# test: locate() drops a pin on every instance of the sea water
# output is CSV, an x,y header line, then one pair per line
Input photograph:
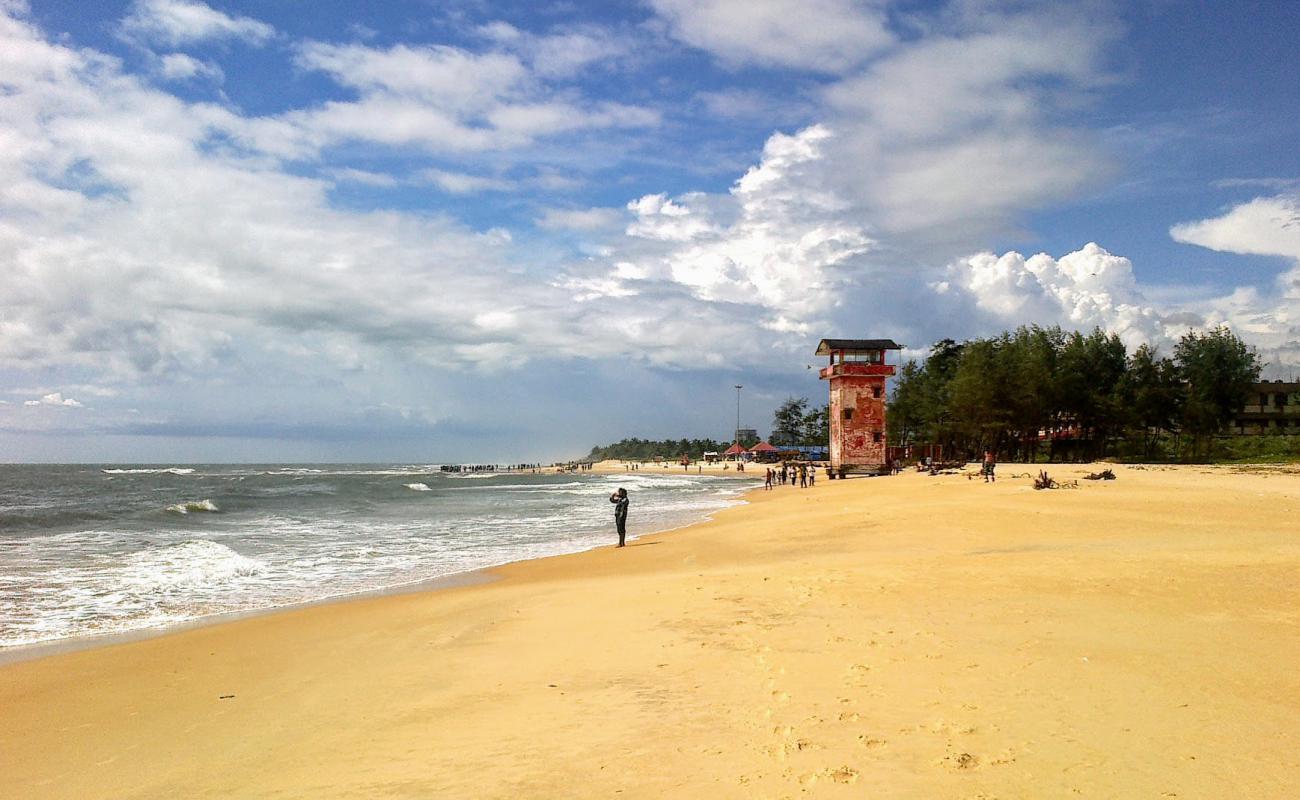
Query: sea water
x,y
91,550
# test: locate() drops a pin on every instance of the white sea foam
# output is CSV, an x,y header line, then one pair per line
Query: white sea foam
x,y
172,470
193,564
278,549
193,506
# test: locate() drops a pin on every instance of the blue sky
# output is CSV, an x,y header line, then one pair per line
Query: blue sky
x,y
423,231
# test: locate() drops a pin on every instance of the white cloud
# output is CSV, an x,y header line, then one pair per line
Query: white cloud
x,y
180,22
180,67
769,247
950,137
581,219
1268,226
565,52
364,177
442,98
1081,290
464,183
820,35
54,399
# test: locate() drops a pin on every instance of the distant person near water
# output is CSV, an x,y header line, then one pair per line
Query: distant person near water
x,y
620,501
990,464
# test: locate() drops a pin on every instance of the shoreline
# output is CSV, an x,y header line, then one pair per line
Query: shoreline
x,y
921,636
469,577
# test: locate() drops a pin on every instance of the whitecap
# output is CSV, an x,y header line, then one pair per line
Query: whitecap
x,y
169,470
419,487
193,506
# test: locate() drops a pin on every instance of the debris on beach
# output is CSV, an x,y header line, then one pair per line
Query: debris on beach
x,y
1104,475
1045,481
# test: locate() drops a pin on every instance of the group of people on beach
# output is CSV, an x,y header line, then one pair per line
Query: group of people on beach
x,y
805,474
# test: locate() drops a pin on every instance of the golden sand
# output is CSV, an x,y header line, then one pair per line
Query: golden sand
x,y
903,637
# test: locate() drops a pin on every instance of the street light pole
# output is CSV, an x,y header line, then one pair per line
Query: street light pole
x,y
738,388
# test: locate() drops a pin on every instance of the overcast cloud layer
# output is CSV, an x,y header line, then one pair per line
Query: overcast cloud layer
x,y
506,242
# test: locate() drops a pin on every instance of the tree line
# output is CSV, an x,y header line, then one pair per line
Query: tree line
x,y
1068,395
646,449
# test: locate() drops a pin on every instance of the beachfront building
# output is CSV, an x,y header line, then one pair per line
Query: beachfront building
x,y
857,373
1271,407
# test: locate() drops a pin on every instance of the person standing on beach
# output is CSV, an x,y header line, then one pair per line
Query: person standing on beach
x,y
990,464
803,477
812,476
767,483
620,501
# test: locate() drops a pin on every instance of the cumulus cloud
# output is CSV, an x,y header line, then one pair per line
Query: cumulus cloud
x,y
180,22
769,246
1081,290
54,399
819,35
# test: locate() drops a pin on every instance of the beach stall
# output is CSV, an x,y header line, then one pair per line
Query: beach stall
x,y
764,452
735,452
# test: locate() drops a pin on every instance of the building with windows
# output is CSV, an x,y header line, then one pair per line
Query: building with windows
x,y
1271,407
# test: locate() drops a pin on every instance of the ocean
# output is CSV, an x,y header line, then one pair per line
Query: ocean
x,y
93,550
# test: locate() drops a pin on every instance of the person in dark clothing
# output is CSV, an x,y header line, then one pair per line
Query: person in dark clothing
x,y
620,501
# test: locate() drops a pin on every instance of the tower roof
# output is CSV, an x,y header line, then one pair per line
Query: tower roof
x,y
827,345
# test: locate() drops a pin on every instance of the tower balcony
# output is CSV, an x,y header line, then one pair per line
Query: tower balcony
x,y
856,370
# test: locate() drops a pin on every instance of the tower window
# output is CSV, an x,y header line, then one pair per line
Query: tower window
x,y
848,413
876,436
875,391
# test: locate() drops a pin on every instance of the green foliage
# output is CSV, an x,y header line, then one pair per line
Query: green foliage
x,y
787,422
648,449
793,424
1218,370
1270,447
1002,392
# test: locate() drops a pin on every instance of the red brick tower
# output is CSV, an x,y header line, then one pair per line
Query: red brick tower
x,y
857,374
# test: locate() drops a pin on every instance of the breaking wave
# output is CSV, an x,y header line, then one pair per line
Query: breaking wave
x,y
419,487
193,506
159,471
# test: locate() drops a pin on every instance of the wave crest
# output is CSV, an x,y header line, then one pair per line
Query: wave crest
x,y
193,506
151,471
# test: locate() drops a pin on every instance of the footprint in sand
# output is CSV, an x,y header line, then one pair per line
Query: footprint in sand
x,y
857,675
840,775
872,742
960,761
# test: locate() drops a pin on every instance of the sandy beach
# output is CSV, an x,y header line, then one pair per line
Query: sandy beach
x,y
900,637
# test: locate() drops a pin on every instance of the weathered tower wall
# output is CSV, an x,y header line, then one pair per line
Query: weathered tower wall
x,y
857,411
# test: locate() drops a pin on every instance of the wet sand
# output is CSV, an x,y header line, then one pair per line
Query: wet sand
x,y
909,637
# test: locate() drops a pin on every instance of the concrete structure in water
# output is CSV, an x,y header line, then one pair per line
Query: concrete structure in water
x,y
857,373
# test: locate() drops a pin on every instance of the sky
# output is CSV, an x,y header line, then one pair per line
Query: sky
x,y
426,231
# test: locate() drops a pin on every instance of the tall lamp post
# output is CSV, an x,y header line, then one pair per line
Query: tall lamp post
x,y
738,388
